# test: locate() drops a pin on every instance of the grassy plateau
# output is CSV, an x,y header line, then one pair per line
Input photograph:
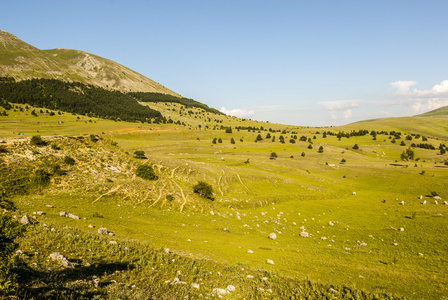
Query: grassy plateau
x,y
351,222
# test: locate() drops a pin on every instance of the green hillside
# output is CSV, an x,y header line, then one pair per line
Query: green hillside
x,y
439,112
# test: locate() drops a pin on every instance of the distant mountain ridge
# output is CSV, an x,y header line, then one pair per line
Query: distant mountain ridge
x,y
23,61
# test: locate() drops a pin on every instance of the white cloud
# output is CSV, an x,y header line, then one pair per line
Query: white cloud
x,y
240,113
422,100
340,104
348,114
403,87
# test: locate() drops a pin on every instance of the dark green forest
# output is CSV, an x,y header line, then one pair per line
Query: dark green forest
x,y
158,97
78,98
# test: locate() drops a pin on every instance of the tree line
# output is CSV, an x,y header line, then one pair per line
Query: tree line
x,y
77,98
159,97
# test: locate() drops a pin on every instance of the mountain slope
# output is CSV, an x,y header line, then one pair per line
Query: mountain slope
x,y
439,112
23,61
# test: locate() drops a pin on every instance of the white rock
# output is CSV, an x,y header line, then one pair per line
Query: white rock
x,y
250,276
73,216
401,229
249,251
195,286
362,244
331,223
218,291
113,243
62,214
25,220
272,236
437,198
269,262
304,234
230,288
103,231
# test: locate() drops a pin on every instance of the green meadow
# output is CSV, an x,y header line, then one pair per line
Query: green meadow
x,y
368,233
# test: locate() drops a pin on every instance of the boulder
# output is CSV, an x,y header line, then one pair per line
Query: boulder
x,y
272,236
103,231
62,259
25,220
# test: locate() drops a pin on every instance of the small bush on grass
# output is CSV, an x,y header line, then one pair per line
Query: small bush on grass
x,y
204,190
139,154
146,172
68,160
41,177
36,140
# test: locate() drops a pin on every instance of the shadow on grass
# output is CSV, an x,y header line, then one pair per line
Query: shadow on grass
x,y
78,283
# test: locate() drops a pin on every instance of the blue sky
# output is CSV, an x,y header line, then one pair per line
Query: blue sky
x,y
311,63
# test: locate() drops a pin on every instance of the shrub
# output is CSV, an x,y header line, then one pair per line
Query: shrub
x,y
10,229
36,140
3,149
273,155
204,190
232,141
355,147
68,160
139,154
93,138
321,149
169,197
303,154
146,172
407,155
41,177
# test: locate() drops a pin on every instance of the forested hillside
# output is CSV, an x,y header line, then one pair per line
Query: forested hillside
x,y
158,97
77,98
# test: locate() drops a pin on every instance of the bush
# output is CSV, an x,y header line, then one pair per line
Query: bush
x,y
273,155
10,229
139,154
41,177
36,140
355,147
146,172
68,160
204,190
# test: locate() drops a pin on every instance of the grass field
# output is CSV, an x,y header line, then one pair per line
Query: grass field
x,y
360,235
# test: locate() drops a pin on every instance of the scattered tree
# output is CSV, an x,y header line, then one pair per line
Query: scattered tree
x,y
273,155
204,190
139,154
146,172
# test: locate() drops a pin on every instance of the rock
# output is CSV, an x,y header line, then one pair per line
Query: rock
x,y
363,244
269,262
91,226
63,214
73,216
96,282
40,213
401,203
166,250
62,259
230,288
103,231
250,251
437,198
113,243
18,252
438,215
420,254
272,236
111,233
49,206
195,286
226,229
401,229
332,290
331,223
445,203
250,276
25,220
395,244
219,292
304,234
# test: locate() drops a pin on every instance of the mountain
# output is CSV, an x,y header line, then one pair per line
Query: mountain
x,y
439,112
23,61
